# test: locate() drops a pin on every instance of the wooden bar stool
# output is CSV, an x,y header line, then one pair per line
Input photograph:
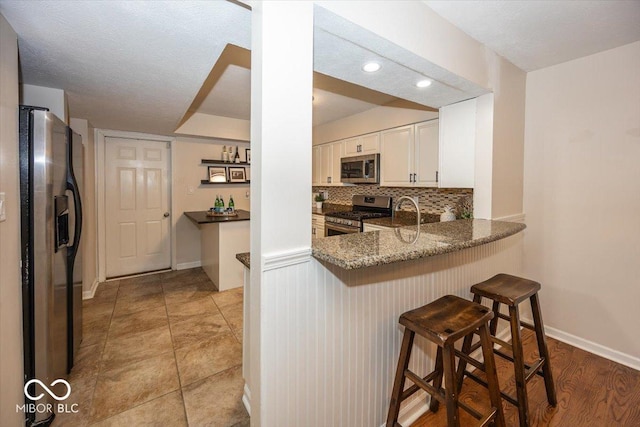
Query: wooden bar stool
x,y
445,321
511,291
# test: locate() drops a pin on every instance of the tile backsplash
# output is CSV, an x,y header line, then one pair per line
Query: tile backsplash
x,y
431,200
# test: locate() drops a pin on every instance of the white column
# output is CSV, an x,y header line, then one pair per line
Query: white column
x,y
282,87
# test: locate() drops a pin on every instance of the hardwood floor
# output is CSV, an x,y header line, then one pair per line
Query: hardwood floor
x,y
592,391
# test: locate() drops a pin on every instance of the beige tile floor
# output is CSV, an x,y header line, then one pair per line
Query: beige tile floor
x,y
159,350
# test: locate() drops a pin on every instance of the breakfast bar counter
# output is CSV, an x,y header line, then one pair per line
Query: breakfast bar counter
x,y
221,237
352,251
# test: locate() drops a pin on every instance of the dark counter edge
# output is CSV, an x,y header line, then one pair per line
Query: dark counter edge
x,y
244,258
200,217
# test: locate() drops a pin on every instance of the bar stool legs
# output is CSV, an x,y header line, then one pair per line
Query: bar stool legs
x,y
512,290
444,322
543,350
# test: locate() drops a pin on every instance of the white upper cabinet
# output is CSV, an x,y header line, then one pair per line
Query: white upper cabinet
x,y
409,156
427,147
326,163
457,145
365,144
316,167
397,157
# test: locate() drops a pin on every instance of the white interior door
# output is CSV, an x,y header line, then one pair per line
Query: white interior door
x,y
137,221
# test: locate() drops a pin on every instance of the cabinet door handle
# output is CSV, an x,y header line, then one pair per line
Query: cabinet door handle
x,y
328,180
436,176
410,177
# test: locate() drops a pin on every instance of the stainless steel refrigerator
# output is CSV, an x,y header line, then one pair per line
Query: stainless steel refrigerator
x,y
51,171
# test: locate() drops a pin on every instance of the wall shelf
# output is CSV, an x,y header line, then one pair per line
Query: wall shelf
x,y
226,166
220,163
206,182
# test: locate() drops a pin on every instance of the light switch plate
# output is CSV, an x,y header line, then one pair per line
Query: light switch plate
x,y
3,212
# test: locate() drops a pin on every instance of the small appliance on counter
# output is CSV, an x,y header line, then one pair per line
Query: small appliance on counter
x,y
364,207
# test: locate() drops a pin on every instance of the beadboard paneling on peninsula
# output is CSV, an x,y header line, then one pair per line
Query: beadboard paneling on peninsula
x,y
432,200
335,350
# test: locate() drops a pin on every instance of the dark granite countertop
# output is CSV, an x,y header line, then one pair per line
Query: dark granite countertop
x,y
352,251
200,217
330,208
244,258
403,219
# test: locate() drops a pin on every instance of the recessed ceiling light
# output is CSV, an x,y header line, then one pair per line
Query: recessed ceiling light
x,y
371,67
424,83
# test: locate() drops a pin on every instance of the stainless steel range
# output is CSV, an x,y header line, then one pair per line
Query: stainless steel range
x,y
364,207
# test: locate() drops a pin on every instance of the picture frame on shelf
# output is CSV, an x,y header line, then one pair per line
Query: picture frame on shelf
x,y
247,155
217,174
237,174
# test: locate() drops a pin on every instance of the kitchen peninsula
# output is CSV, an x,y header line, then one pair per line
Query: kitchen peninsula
x,y
354,288
221,237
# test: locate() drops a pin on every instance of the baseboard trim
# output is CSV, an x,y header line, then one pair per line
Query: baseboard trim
x,y
414,410
285,259
188,265
92,291
512,218
246,398
595,348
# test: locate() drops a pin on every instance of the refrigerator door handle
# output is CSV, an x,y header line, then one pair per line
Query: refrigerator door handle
x,y
72,185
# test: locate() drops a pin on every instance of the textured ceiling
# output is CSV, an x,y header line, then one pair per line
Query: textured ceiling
x,y
538,34
143,65
129,65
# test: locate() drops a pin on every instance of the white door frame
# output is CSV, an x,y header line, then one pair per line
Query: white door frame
x,y
100,139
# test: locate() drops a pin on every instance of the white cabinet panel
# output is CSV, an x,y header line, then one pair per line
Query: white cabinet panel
x,y
426,149
457,145
409,156
326,163
397,157
365,144
317,226
373,227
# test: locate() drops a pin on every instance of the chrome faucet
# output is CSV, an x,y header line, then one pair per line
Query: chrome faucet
x,y
415,205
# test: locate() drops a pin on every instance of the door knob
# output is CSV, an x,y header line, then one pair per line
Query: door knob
x,y
166,214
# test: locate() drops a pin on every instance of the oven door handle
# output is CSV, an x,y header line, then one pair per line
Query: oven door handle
x,y
339,227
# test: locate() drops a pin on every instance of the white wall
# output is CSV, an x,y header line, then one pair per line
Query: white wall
x,y
582,198
11,365
53,99
187,173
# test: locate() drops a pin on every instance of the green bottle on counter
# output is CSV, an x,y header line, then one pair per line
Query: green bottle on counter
x,y
216,205
232,205
221,204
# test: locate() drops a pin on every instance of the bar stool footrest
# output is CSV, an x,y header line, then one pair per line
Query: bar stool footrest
x,y
534,369
421,383
475,414
470,360
483,383
523,324
415,387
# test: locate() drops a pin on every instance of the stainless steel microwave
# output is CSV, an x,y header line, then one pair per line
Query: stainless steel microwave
x,y
360,169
